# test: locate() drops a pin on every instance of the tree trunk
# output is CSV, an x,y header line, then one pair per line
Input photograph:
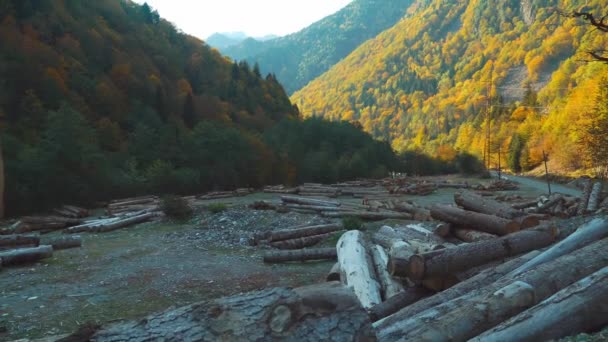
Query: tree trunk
x,y
452,260
107,225
25,255
408,296
356,270
443,229
582,205
63,242
584,235
485,223
594,197
301,255
467,316
368,215
300,243
390,287
473,202
580,307
476,282
334,273
303,314
19,240
469,235
305,231
309,201
314,207
524,205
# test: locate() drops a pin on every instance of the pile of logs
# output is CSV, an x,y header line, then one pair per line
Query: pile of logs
x,y
419,189
19,249
113,223
498,185
42,224
297,238
279,189
71,211
226,194
318,190
129,205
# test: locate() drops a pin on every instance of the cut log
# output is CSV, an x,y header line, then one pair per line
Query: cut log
x,y
314,207
334,273
594,197
368,215
550,204
302,314
63,242
485,223
582,205
19,240
473,202
408,296
524,205
584,235
112,224
309,201
580,307
471,314
443,229
25,255
287,234
301,255
469,235
356,270
300,243
476,282
452,260
390,287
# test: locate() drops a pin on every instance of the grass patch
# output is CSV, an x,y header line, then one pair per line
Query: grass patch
x,y
352,223
217,207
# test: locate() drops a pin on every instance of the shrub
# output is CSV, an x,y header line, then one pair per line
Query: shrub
x,y
352,223
217,207
176,207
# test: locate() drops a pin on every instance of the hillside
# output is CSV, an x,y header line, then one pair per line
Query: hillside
x,y
222,40
298,58
429,82
104,98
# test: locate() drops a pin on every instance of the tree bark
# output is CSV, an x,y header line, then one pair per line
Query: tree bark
x,y
448,261
408,296
485,223
63,242
19,240
25,255
301,255
302,314
287,234
368,215
356,270
300,243
584,235
469,235
582,205
473,202
476,282
594,197
467,316
390,287
309,201
580,307
524,205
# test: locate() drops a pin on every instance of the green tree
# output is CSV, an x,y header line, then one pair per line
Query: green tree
x,y
594,137
515,152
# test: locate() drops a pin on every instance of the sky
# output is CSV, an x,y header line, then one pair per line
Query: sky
x,y
256,18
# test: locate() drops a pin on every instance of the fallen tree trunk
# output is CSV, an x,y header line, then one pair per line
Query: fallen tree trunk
x,y
469,235
582,205
584,235
300,243
123,223
580,307
287,234
368,215
63,242
448,261
484,278
309,201
408,296
594,197
356,270
301,255
547,206
473,202
25,255
390,287
314,207
19,240
467,316
486,223
525,205
302,314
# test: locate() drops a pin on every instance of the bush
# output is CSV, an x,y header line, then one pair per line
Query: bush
x,y
217,207
352,223
468,164
176,207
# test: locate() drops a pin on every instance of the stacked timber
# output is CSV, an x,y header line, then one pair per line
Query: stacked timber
x,y
114,223
498,185
417,188
217,195
129,205
279,189
71,211
318,190
296,242
42,224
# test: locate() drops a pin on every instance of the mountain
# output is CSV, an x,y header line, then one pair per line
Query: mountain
x,y
101,99
506,77
298,58
227,39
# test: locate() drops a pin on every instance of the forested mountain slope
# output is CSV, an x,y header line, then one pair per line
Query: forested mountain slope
x,y
429,82
103,98
298,58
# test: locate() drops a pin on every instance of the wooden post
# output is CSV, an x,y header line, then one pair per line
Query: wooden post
x,y
499,167
547,172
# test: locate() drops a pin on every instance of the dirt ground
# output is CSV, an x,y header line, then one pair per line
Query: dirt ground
x,y
139,270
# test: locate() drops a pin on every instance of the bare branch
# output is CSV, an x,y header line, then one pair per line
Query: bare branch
x,y
600,25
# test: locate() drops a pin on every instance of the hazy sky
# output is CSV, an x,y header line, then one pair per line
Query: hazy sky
x,y
201,18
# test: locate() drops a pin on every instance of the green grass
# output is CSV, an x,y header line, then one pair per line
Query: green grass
x,y
217,207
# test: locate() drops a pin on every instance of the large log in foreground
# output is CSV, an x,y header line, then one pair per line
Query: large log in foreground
x,y
305,231
25,255
485,223
472,201
356,268
304,314
580,307
63,242
300,243
469,315
301,255
448,261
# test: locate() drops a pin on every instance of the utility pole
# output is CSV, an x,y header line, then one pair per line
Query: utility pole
x,y
547,172
488,140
